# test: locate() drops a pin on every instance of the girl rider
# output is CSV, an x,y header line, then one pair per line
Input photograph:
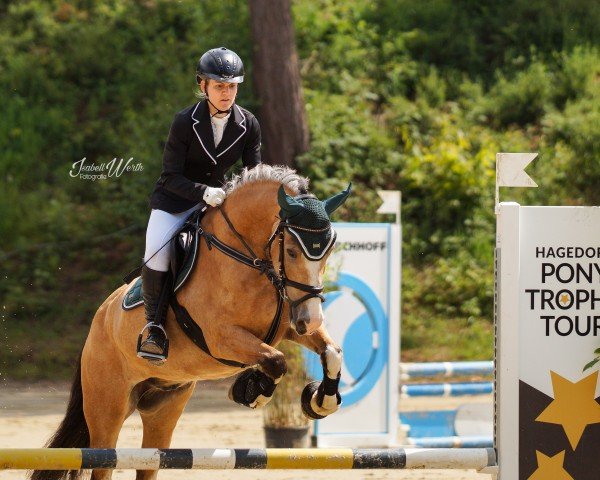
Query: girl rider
x,y
205,140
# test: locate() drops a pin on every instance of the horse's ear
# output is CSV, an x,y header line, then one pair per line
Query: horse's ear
x,y
332,204
289,206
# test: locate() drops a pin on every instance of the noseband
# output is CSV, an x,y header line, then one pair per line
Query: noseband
x,y
312,290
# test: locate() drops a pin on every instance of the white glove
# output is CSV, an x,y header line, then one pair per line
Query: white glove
x,y
214,196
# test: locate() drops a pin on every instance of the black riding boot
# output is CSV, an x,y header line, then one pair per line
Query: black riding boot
x,y
155,286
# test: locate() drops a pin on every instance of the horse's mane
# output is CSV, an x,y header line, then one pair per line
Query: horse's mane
x,y
268,173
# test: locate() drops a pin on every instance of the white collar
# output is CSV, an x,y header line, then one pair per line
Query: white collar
x,y
220,120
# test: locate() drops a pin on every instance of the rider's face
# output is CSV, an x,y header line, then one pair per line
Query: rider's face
x,y
221,94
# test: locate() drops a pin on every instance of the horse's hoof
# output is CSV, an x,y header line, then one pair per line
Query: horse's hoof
x,y
252,388
306,400
310,402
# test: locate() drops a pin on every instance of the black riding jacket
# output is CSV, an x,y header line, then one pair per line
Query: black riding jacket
x,y
191,162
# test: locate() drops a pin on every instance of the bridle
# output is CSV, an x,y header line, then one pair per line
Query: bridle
x,y
279,234
279,279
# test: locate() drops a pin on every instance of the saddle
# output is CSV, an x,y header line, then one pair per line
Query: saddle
x,y
184,249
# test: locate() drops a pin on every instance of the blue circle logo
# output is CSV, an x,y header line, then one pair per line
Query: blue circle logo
x,y
365,337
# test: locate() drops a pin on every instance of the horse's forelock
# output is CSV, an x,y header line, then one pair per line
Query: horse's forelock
x,y
268,173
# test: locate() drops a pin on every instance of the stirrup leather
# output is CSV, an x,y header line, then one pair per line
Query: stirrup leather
x,y
160,357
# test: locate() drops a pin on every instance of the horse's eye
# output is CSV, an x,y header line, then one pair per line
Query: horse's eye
x,y
291,253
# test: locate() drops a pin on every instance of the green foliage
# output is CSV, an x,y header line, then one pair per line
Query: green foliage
x,y
575,129
521,100
456,285
483,36
350,145
594,361
444,184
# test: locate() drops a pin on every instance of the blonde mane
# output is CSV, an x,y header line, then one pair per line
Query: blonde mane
x,y
268,173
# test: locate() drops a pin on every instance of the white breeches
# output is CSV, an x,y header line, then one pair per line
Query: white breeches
x,y
161,227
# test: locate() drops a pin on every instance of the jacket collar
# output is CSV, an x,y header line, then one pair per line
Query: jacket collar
x,y
234,131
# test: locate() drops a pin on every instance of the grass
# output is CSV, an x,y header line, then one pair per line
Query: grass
x,y
39,351
430,338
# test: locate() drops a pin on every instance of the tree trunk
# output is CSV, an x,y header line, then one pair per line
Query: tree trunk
x,y
276,76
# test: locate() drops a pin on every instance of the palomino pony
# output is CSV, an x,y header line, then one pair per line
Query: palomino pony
x,y
233,304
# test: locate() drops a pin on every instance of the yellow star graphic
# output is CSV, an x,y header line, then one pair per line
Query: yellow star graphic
x,y
550,468
573,406
564,298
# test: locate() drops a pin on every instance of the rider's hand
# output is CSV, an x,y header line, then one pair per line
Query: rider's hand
x,y
214,196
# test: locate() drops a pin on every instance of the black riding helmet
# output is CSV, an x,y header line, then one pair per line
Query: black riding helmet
x,y
222,65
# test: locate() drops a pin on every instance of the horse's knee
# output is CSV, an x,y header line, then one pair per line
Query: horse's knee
x,y
273,364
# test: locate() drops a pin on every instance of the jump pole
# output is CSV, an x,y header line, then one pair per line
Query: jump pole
x,y
447,369
225,458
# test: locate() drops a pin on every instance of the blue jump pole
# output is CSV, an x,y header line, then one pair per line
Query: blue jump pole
x,y
448,369
452,442
446,389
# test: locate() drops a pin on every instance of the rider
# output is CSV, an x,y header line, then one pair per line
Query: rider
x,y
205,140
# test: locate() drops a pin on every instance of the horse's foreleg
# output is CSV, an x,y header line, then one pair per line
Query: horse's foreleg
x,y
160,410
254,387
321,399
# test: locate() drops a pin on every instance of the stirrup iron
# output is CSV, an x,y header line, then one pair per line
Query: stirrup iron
x,y
155,358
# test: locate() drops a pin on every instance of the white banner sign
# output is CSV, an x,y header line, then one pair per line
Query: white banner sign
x,y
549,327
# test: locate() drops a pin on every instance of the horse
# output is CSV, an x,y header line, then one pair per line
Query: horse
x,y
269,210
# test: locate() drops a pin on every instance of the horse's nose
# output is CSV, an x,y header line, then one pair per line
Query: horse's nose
x,y
308,317
301,327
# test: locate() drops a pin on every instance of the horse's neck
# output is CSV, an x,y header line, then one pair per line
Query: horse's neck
x,y
253,212
223,288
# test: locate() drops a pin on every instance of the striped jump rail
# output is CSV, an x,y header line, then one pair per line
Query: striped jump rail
x,y
225,458
446,389
410,371
452,442
447,369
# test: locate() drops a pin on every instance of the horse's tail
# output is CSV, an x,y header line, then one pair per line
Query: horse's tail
x,y
72,433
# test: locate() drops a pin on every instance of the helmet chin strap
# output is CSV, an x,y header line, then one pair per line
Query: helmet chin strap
x,y
218,111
